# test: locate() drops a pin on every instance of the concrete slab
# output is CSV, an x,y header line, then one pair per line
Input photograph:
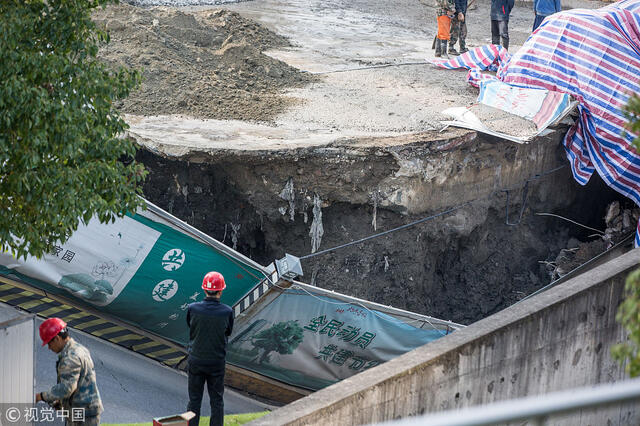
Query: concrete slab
x,y
375,77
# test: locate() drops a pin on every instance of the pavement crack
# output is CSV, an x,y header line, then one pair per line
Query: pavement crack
x,y
115,378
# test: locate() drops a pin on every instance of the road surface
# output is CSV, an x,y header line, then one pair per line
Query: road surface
x,y
133,387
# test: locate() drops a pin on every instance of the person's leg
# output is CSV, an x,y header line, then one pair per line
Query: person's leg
x,y
504,34
463,36
196,389
92,421
444,27
215,387
88,421
455,31
537,21
495,32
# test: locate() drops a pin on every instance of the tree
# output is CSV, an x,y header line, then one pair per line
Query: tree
x,y
63,159
629,311
283,337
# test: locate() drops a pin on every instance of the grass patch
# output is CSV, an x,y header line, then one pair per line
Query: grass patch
x,y
240,419
229,420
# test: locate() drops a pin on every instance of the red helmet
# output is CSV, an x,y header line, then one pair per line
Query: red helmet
x,y
50,329
213,281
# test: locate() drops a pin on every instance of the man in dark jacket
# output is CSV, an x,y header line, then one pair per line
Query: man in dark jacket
x,y
500,10
210,324
459,28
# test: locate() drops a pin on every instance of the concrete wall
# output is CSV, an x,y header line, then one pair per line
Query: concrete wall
x,y
557,340
17,349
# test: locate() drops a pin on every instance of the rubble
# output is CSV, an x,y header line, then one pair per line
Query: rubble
x,y
620,224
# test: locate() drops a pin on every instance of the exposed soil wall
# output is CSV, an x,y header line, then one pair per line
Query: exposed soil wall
x,y
462,266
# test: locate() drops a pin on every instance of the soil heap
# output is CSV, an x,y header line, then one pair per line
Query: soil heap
x,y
205,64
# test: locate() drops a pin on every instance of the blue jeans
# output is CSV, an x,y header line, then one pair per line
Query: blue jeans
x,y
214,377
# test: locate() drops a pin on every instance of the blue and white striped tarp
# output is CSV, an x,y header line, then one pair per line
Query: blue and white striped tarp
x,y
593,55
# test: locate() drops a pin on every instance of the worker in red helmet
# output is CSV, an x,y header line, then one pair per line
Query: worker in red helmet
x,y
210,324
76,391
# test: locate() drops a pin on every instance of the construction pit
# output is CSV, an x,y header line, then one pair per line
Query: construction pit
x,y
299,127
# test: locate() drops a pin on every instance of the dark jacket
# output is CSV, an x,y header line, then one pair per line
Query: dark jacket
x,y
461,6
500,9
210,324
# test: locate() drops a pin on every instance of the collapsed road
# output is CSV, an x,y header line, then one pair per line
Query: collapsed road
x,y
299,127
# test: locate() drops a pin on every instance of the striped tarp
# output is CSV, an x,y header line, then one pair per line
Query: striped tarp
x,y
593,55
483,58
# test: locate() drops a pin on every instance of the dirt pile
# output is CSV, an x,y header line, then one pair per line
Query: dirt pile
x,y
205,64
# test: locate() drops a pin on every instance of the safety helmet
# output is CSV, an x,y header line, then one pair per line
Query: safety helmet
x,y
50,329
213,281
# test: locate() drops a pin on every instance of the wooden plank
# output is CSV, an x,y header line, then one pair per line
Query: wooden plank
x,y
261,386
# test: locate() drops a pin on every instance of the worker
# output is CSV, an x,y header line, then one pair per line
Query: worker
x,y
459,28
446,9
500,11
76,391
210,324
544,8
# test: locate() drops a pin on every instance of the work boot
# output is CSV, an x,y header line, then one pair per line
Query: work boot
x,y
443,46
452,50
463,47
438,48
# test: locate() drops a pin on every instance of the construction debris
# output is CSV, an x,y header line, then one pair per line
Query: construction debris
x,y
620,222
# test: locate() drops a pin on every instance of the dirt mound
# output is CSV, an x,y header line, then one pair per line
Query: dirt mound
x,y
205,64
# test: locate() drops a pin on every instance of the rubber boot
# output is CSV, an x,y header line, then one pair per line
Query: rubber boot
x,y
452,50
443,46
463,47
438,48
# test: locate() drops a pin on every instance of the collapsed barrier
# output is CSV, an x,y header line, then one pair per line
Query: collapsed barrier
x,y
143,270
311,338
